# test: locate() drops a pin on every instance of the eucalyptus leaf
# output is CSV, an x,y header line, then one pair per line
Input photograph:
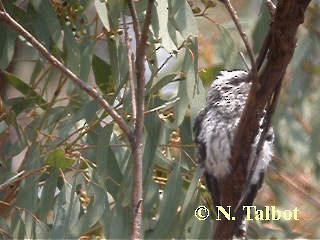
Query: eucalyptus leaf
x,y
7,45
58,159
103,14
94,212
30,94
161,83
103,75
169,205
47,194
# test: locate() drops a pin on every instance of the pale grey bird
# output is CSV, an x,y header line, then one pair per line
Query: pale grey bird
x,y
215,129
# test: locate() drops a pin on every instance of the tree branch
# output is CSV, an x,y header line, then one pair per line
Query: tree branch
x,y
288,16
131,69
137,146
135,21
6,18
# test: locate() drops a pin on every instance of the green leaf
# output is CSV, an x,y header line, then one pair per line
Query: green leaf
x,y
10,147
115,8
20,104
190,202
86,51
7,45
27,197
186,129
48,17
162,82
150,200
47,194
226,51
25,89
58,159
17,225
37,70
41,230
190,67
94,212
102,11
120,222
72,52
66,211
109,172
261,28
198,101
164,32
183,18
196,229
208,74
181,107
153,126
103,75
169,205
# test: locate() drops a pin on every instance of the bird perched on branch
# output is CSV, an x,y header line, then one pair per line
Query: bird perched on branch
x,y
215,128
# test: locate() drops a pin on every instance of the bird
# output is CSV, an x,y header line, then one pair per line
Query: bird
x,y
214,132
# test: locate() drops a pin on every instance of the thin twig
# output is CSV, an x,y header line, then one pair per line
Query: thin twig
x,y
5,17
20,176
131,69
244,37
164,63
145,31
2,6
135,21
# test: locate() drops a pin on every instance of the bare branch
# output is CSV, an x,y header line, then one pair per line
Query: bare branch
x,y
140,69
137,146
131,69
244,37
135,21
5,17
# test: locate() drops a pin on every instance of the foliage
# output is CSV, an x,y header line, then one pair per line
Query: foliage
x,y
66,168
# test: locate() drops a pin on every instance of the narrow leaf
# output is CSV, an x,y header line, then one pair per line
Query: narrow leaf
x,y
103,75
102,13
25,89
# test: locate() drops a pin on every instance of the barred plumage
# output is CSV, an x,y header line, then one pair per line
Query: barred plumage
x,y
215,128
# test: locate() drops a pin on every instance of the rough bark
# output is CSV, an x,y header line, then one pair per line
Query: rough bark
x,y
288,16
